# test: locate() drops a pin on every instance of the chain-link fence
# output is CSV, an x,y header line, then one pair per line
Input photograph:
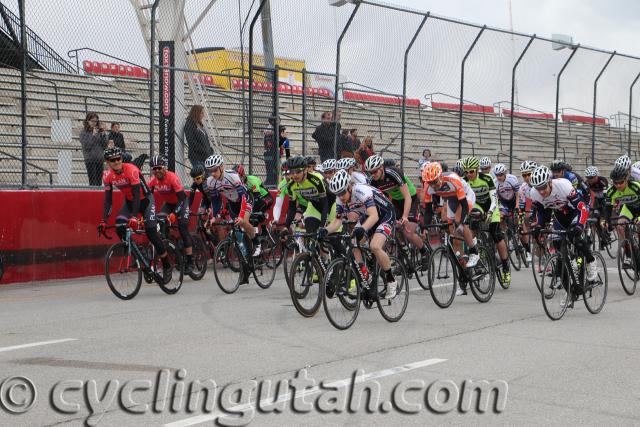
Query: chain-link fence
x,y
281,78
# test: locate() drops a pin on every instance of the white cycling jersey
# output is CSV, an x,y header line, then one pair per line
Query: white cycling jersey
x,y
364,196
508,188
230,186
359,178
635,171
561,193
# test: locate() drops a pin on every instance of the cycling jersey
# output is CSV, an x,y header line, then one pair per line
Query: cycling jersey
x,y
363,197
359,178
635,171
166,188
626,202
578,183
599,187
233,189
128,176
254,185
312,190
508,189
524,198
485,190
452,189
564,200
391,182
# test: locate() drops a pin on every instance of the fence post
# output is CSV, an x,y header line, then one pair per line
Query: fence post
x,y
631,109
23,91
555,134
513,94
593,121
335,94
304,111
253,23
152,63
404,89
462,88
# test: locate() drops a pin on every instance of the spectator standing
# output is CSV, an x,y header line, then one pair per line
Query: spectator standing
x,y
271,150
364,151
285,148
426,157
355,140
93,141
196,136
115,138
324,136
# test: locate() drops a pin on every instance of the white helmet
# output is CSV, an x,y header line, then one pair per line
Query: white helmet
x,y
485,162
339,182
591,172
528,166
499,169
540,176
318,168
623,162
374,162
329,165
213,161
346,163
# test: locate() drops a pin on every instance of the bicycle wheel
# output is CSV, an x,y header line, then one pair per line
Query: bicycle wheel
x,y
483,282
539,256
554,286
595,293
338,289
176,260
416,259
291,250
393,309
227,266
306,284
122,271
627,267
611,239
442,278
512,250
200,258
265,264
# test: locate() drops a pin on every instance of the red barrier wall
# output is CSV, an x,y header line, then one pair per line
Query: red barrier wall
x,y
51,234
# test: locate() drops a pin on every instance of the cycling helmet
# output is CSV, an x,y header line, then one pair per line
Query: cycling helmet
x,y
540,176
623,162
473,163
528,166
213,161
329,165
374,162
445,168
111,153
557,165
239,169
339,182
311,161
591,172
499,169
297,162
459,163
346,163
618,173
196,171
458,170
157,161
284,165
432,172
485,162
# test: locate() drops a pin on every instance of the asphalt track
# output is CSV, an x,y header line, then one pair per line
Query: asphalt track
x,y
75,335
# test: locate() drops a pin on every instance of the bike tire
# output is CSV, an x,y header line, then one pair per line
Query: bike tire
x,y
442,269
538,262
482,291
393,309
228,267
513,255
422,277
118,271
339,314
628,276
265,264
595,295
200,258
177,273
550,288
303,268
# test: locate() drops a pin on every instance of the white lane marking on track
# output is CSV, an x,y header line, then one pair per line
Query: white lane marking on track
x,y
35,344
311,391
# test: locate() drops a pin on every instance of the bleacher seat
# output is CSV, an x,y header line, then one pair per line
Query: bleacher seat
x,y
522,114
583,119
470,108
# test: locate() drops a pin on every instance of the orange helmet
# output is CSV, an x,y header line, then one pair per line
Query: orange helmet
x,y
432,172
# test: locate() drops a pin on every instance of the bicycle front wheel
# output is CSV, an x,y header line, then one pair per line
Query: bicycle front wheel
x,y
539,256
554,287
392,309
122,271
227,266
200,258
512,250
627,267
595,293
265,264
341,296
442,278
306,284
172,282
483,279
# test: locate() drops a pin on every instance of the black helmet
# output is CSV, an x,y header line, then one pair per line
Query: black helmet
x,y
297,162
618,173
111,153
197,170
557,166
310,160
157,161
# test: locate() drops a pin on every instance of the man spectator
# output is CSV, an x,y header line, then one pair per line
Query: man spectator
x,y
285,149
93,141
324,136
196,136
271,152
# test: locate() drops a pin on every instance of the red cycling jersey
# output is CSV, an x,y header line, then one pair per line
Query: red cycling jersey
x,y
129,176
167,187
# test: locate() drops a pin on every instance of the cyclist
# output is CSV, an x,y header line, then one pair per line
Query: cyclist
x,y
394,183
569,211
457,169
485,167
228,184
635,171
507,187
349,164
523,203
561,169
137,198
262,198
377,219
282,191
198,174
459,198
624,197
311,164
597,188
329,167
170,192
484,188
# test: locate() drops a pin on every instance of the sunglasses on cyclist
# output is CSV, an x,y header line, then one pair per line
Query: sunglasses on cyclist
x,y
434,182
620,182
470,171
542,187
499,174
296,171
199,178
115,159
524,175
157,168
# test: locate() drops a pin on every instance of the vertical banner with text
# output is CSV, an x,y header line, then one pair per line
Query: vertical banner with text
x,y
167,110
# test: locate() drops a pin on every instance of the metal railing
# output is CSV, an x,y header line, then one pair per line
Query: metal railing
x,y
4,153
73,54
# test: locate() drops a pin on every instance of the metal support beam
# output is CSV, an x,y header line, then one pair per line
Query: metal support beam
x,y
464,60
593,121
304,111
197,22
631,111
555,135
513,94
404,88
253,24
23,90
152,63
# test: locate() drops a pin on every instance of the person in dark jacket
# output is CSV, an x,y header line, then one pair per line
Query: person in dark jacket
x,y
365,151
270,141
93,141
115,138
324,136
196,136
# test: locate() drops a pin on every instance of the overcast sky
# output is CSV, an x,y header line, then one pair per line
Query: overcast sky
x,y
373,49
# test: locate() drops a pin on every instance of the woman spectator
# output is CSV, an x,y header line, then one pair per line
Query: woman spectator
x,y
93,141
196,136
364,151
115,138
